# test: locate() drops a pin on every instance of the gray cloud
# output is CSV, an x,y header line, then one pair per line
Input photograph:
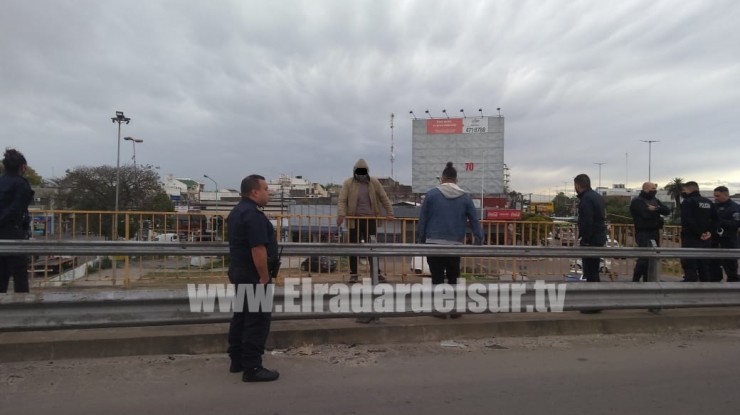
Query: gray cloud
x,y
307,87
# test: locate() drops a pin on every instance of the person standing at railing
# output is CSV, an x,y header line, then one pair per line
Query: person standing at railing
x,y
362,197
15,221
725,236
698,221
591,226
253,249
443,220
647,213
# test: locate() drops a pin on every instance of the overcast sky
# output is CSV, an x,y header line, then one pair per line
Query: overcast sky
x,y
229,88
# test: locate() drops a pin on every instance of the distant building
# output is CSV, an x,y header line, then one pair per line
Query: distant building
x,y
396,192
295,187
182,190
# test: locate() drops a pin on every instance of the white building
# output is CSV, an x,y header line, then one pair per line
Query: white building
x,y
295,187
182,189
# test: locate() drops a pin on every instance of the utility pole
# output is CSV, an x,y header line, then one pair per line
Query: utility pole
x,y
600,164
393,156
650,156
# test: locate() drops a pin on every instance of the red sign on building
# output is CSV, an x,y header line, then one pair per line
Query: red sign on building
x,y
445,126
503,214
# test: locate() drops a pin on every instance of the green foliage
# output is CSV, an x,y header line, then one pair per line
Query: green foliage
x,y
534,217
674,190
618,209
94,188
33,178
563,205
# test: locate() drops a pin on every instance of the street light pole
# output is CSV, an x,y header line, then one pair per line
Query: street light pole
x,y
134,141
214,182
650,156
600,164
120,119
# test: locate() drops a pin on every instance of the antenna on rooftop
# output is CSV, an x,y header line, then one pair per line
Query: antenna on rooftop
x,y
393,156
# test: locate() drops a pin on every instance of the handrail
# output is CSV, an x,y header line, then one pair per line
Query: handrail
x,y
33,247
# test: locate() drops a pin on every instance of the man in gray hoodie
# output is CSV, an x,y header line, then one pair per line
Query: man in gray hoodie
x,y
443,220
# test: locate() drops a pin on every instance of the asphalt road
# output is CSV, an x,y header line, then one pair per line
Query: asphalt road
x,y
684,373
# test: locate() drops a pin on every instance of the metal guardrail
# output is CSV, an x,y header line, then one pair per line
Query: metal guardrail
x,y
74,310
31,247
54,310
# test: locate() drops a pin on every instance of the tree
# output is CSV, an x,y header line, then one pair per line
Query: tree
x,y
562,205
674,190
33,178
94,188
618,209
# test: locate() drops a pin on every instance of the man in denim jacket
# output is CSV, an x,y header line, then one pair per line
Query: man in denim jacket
x,y
443,220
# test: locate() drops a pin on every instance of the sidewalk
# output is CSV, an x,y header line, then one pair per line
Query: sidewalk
x,y
211,338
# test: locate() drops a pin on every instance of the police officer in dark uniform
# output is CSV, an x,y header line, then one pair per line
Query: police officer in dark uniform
x,y
15,196
698,221
646,212
725,236
253,252
591,223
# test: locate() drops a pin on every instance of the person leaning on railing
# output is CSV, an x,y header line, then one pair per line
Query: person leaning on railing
x,y
362,197
443,219
15,196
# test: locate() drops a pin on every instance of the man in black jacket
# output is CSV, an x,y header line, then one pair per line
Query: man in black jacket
x,y
646,212
591,223
698,220
725,235
15,196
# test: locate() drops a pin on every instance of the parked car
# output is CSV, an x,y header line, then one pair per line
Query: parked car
x,y
319,264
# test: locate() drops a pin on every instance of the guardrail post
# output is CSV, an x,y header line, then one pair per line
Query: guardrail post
x,y
374,271
374,265
652,273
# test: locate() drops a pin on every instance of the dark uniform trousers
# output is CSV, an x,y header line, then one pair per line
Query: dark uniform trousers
x,y
695,269
644,239
729,264
247,335
13,265
591,265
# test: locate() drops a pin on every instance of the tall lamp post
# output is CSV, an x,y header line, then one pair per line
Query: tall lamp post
x,y
214,182
120,119
650,156
600,164
134,141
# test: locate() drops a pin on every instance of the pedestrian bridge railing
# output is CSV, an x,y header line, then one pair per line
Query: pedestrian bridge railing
x,y
81,263
111,307
307,225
